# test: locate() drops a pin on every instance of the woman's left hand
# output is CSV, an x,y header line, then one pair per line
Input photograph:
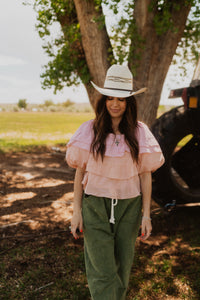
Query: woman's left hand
x,y
146,228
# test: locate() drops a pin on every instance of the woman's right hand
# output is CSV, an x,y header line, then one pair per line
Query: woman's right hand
x,y
76,223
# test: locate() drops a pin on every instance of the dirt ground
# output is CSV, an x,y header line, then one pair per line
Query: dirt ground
x,y
36,194
36,190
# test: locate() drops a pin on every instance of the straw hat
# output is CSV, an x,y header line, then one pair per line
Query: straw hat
x,y
118,83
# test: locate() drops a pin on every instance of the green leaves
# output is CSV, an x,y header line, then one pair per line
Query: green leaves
x,y
68,64
189,45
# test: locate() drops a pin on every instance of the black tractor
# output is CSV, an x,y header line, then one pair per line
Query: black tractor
x,y
178,133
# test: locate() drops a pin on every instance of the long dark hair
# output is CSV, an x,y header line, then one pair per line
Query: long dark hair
x,y
103,126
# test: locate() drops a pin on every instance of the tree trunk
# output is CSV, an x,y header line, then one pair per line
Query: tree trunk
x,y
96,44
155,55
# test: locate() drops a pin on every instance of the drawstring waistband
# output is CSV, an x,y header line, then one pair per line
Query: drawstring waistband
x,y
112,218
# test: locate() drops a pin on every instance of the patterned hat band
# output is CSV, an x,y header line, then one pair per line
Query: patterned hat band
x,y
119,79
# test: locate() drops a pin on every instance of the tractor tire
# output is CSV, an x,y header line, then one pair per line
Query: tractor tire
x,y
169,129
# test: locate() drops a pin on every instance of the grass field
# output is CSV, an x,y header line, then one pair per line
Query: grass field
x,y
27,130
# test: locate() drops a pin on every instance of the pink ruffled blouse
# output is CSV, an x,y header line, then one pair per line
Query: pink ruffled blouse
x,y
117,176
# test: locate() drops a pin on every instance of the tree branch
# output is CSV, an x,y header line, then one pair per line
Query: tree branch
x,y
96,43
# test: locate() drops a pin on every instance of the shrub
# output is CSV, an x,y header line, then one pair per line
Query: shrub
x,y
15,109
48,103
67,103
22,103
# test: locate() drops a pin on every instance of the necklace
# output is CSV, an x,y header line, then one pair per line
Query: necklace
x,y
117,140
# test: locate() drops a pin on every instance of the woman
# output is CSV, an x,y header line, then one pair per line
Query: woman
x,y
114,155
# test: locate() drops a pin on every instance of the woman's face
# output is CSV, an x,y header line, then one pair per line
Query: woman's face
x,y
116,106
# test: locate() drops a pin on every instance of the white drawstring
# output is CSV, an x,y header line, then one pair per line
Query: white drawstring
x,y
112,218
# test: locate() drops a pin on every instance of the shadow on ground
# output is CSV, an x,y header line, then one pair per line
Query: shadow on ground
x,y
35,188
41,260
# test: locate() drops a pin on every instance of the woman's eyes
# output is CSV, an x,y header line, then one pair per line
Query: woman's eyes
x,y
119,99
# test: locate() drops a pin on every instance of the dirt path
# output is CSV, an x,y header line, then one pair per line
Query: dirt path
x,y
35,190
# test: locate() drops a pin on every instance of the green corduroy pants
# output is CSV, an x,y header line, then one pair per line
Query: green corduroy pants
x,y
109,248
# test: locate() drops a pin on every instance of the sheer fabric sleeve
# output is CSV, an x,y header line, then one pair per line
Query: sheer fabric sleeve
x,y
78,148
150,153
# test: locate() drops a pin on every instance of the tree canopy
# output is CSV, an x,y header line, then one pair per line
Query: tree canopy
x,y
93,34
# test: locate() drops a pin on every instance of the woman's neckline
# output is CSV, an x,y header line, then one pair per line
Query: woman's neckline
x,y
118,134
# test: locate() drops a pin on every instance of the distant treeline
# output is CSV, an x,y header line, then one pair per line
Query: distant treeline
x,y
47,106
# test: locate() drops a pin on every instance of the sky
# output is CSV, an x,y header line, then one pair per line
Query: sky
x,y
22,58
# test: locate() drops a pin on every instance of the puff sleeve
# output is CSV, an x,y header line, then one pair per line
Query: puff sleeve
x,y
150,153
78,148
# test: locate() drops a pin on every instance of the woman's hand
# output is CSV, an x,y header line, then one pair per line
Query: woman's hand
x,y
146,183
77,220
76,223
146,228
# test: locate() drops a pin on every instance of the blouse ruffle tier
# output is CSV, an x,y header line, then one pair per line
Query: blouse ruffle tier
x,y
117,176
